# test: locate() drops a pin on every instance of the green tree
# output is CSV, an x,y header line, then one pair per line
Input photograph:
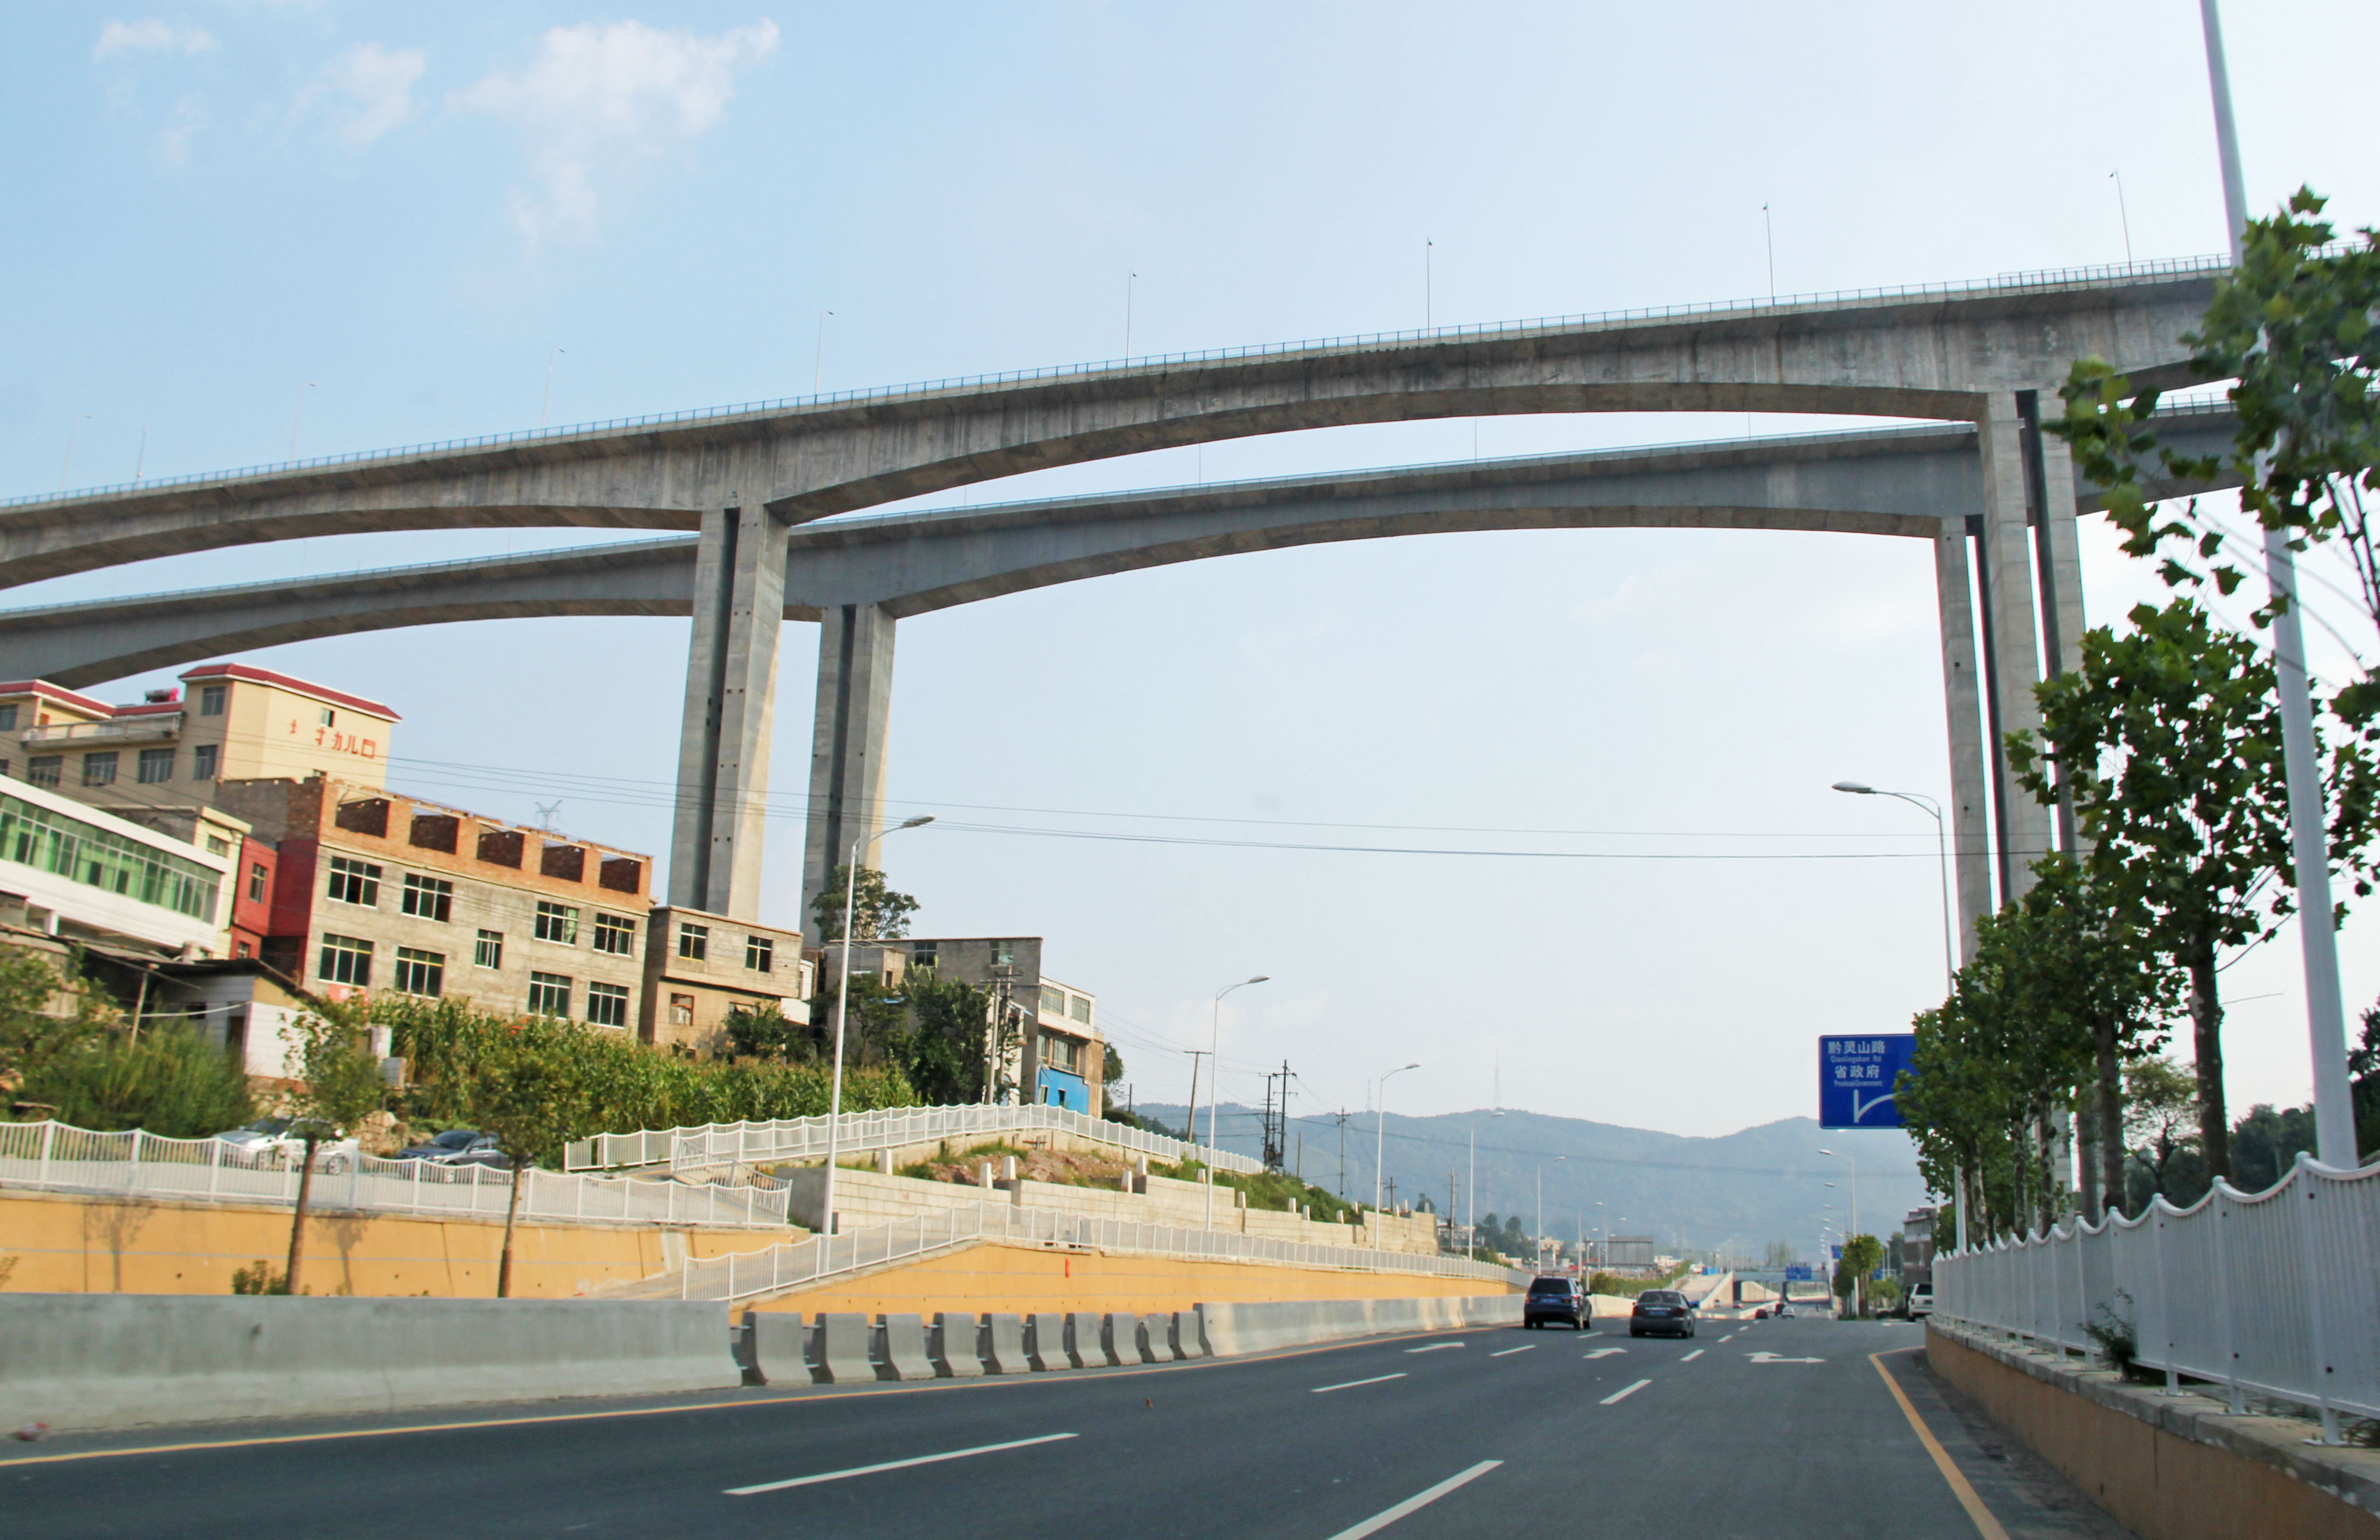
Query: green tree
x,y
948,1041
1111,1076
1862,1256
882,915
340,1087
2162,1131
2168,742
45,1013
171,1082
535,1102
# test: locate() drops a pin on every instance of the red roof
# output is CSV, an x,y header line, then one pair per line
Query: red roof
x,y
48,691
283,681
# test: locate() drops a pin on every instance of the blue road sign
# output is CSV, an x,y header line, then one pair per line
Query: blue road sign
x,y
1855,1079
1797,1272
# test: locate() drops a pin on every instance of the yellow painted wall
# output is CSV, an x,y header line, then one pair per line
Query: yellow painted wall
x,y
76,1244
1026,1278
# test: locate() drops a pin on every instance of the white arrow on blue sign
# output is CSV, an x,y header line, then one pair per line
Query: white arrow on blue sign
x,y
1856,1077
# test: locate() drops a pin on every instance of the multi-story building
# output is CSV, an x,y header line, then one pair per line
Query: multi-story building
x,y
84,873
1056,1055
376,891
701,967
236,723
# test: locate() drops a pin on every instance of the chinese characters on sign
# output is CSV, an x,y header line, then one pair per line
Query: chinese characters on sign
x,y
341,743
1856,1077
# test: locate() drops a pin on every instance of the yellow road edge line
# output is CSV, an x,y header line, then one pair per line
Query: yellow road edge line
x,y
986,1382
1986,1525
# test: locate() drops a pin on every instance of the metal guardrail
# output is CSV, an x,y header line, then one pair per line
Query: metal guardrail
x,y
59,1157
2184,267
801,1263
2274,1294
805,1138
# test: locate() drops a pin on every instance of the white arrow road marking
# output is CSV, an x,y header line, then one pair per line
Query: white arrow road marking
x,y
1772,1358
1603,1353
894,1465
1386,1517
1525,1347
1691,1356
1433,1347
1624,1395
1350,1384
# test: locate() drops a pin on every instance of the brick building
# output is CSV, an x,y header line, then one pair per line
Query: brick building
x,y
699,967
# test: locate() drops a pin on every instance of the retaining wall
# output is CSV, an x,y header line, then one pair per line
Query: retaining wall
x,y
76,1243
2165,1467
82,1361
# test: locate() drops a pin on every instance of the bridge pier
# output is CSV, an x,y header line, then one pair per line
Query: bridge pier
x,y
854,712
2012,655
1969,831
731,684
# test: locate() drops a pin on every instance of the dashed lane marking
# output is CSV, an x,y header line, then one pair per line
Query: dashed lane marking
x,y
1433,1347
1624,1395
1691,1356
894,1465
1386,1517
1350,1384
1603,1353
1730,1337
1525,1347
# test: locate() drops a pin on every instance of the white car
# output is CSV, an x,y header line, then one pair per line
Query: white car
x,y
1920,1301
269,1141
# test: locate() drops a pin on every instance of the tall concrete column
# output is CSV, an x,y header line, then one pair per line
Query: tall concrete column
x,y
854,711
2012,657
1970,829
2058,558
731,691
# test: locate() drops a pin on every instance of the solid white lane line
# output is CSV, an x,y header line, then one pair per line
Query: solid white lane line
x,y
895,1465
1691,1356
1386,1517
1624,1395
1603,1353
1525,1347
1376,1379
1433,1347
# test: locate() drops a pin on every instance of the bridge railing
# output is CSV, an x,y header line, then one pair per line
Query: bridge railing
x,y
801,1263
2045,278
60,1158
748,1143
2274,1294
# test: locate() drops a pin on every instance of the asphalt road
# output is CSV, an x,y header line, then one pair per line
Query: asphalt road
x,y
1775,1429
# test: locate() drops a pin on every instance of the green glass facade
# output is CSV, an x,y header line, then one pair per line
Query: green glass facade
x,y
50,841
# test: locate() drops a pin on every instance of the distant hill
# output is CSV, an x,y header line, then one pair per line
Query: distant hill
x,y
1761,1184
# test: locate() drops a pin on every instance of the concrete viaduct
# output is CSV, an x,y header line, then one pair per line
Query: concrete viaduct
x,y
1983,359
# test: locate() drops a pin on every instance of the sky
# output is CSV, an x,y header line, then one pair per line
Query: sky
x,y
242,230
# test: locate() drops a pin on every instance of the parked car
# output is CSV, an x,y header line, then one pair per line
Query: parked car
x,y
1662,1311
268,1141
456,1146
1920,1301
1560,1299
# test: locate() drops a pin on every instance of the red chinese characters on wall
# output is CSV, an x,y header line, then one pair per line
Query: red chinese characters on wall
x,y
353,744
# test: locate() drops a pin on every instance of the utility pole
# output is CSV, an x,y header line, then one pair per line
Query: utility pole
x,y
1451,1210
1393,1196
1195,1054
1342,1116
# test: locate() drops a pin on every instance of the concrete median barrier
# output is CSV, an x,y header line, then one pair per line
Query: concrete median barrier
x,y
777,1347
843,1349
1117,1329
100,1360
903,1355
1044,1342
1184,1336
1083,1349
956,1346
1004,1344
1235,1330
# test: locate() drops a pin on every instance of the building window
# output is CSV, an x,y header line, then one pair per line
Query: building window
x,y
202,761
156,764
1079,1007
8,718
241,949
1061,1053
694,941
557,922
329,718
1053,1001
218,846
681,1009
1003,954
549,995
615,934
259,882
922,954
43,770
211,700
85,852
607,1004
420,972
99,770
346,960
489,950
353,882
760,954
432,898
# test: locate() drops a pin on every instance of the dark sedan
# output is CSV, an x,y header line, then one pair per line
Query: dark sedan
x,y
1661,1311
1558,1299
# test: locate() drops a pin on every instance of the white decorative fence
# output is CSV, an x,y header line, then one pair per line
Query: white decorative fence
x,y
805,1138
802,1263
2274,1294
60,1157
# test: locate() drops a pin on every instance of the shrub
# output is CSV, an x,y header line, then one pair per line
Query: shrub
x,y
169,1081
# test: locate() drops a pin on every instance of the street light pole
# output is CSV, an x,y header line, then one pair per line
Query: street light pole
x,y
1942,849
1854,1166
843,1010
1380,1144
1215,1086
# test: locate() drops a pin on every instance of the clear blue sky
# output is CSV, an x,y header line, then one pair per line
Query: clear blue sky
x,y
212,205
